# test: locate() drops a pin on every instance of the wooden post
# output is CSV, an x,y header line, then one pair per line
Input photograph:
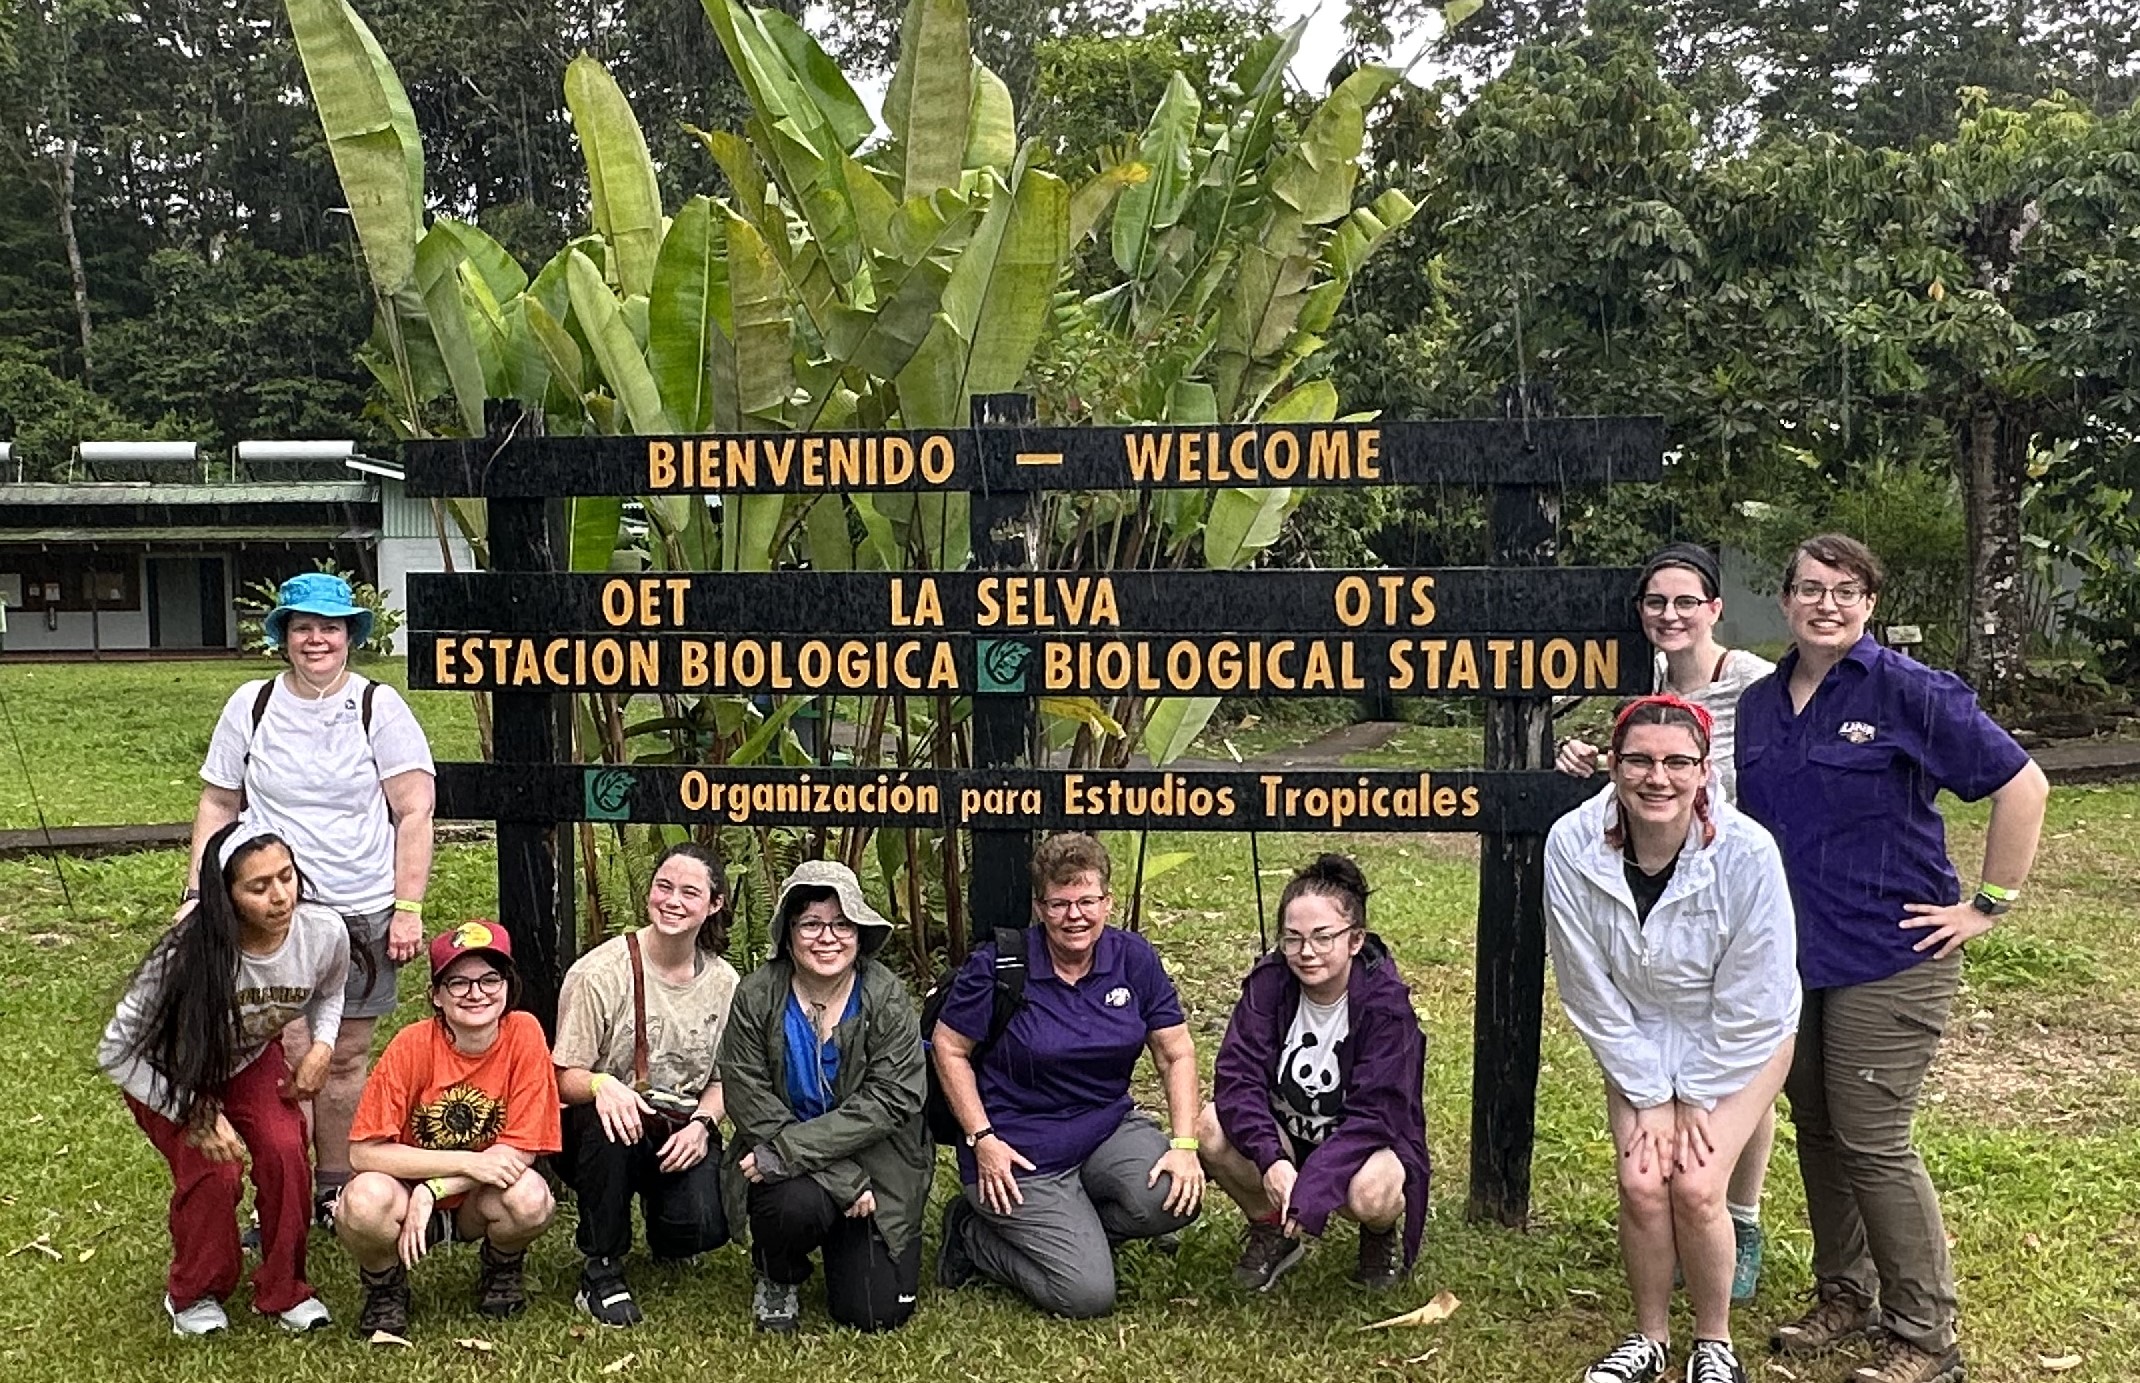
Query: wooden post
x,y
1523,531
536,912
998,891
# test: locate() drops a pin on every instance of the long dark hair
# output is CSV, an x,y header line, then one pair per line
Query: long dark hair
x,y
190,1038
713,934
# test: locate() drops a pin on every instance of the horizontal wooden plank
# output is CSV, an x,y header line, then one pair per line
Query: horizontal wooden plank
x,y
1045,799
1461,452
1062,665
1455,600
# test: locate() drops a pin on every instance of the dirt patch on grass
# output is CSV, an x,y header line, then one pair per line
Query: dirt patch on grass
x,y
2016,1072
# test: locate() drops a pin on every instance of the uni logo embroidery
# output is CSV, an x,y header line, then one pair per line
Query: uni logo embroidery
x,y
1857,732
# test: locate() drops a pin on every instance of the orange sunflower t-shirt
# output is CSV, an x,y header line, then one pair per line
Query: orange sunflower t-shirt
x,y
425,1093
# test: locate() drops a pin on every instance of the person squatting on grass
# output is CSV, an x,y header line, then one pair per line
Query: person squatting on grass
x,y
1317,1093
823,1064
1673,947
639,1022
337,766
1841,754
447,1134
194,1046
1058,1165
1679,599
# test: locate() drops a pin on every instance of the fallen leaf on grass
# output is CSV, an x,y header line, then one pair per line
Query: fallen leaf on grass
x,y
86,1254
386,1337
2059,1363
619,1364
1440,1309
478,1346
42,1244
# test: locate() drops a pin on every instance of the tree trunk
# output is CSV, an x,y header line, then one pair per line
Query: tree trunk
x,y
74,255
1993,463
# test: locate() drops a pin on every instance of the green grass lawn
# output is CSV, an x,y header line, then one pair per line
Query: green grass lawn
x,y
2032,1129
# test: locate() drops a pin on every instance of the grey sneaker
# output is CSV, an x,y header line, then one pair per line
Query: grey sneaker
x,y
1266,1255
204,1317
308,1315
776,1306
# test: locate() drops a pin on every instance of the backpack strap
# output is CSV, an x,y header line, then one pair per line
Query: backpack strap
x,y
260,705
371,689
1012,970
639,1043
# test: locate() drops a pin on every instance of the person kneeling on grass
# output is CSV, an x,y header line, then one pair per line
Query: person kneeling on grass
x,y
638,1026
447,1133
1676,953
823,1067
195,1046
1317,1106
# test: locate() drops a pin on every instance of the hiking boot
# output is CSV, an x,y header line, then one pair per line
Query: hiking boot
x,y
1636,1359
954,1264
308,1315
1746,1260
1714,1361
604,1295
775,1306
386,1302
204,1317
1901,1362
1835,1319
1266,1254
501,1285
1381,1264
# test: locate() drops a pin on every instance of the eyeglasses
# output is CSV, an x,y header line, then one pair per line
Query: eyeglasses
x,y
1678,604
490,982
1315,943
1639,765
1810,593
1063,907
814,929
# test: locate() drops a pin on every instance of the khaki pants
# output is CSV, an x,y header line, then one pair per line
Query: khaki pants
x,y
1877,1233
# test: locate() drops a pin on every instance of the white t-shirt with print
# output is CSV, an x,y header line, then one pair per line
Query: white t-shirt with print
x,y
1307,1099
315,780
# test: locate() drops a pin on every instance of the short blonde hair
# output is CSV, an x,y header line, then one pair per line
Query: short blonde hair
x,y
1064,856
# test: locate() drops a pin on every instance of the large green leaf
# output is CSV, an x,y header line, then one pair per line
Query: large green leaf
x,y
1318,174
620,172
601,317
765,357
750,525
371,135
1174,723
820,77
502,274
690,296
438,281
825,527
929,102
991,123
1168,152
1004,285
593,537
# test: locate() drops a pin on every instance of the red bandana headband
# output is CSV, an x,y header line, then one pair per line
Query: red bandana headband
x,y
1699,712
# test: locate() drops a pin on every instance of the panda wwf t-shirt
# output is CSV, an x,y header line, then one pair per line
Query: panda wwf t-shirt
x,y
1305,1095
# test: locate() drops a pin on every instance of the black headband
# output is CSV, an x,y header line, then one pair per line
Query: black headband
x,y
1693,557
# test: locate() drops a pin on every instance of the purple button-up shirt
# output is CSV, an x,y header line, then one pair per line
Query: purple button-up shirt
x,y
1847,786
1057,1083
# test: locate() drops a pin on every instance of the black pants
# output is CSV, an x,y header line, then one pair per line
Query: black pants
x,y
683,1209
865,1286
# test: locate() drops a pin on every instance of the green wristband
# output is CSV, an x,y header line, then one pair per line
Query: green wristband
x,y
1998,894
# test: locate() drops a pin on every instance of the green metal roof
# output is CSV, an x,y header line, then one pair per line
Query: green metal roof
x,y
127,492
192,533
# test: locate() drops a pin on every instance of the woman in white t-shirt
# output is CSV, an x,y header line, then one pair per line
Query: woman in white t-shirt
x,y
336,765
1679,597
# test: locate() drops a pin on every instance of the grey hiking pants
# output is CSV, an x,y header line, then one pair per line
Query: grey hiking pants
x,y
1057,1249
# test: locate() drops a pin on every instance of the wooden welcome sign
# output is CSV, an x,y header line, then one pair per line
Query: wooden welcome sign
x,y
1516,634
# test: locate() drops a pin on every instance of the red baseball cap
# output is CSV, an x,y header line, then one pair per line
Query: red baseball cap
x,y
476,934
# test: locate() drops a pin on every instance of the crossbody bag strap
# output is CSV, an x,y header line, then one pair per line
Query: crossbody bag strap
x,y
639,1048
1716,674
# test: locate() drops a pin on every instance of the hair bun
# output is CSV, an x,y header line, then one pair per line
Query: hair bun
x,y
1335,871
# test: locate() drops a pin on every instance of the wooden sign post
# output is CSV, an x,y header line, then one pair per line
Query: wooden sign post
x,y
1515,634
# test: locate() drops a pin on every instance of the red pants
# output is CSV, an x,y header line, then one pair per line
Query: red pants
x,y
205,1260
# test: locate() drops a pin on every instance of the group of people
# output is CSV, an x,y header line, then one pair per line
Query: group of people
x,y
1758,901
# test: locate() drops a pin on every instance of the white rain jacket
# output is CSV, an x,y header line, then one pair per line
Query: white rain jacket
x,y
1691,1004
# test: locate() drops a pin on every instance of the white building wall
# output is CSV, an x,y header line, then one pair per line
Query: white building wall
x,y
398,557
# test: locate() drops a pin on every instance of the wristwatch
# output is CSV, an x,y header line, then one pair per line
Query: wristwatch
x,y
705,1121
973,1140
1990,906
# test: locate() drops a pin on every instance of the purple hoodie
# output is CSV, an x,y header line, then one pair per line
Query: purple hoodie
x,y
1382,1068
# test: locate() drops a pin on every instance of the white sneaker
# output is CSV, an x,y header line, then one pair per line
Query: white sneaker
x,y
204,1317
309,1314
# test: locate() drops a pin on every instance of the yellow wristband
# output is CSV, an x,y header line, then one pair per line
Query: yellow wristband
x,y
409,905
594,1082
431,1184
1998,894
1183,1144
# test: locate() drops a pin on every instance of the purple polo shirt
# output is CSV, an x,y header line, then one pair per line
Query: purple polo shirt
x,y
1847,787
1057,1083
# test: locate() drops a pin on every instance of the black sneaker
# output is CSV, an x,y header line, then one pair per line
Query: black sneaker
x,y
1381,1264
604,1294
776,1306
1266,1254
323,1207
954,1264
1636,1359
1714,1362
501,1285
386,1302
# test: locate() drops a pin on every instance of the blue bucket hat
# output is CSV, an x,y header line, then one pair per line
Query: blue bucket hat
x,y
317,593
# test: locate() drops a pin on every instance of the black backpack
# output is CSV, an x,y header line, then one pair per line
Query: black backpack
x,y
1009,998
